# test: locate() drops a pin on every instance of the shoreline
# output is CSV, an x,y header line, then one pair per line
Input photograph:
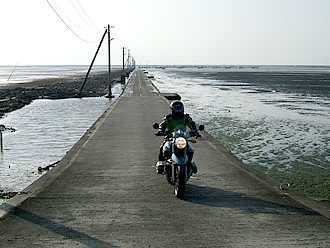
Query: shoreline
x,y
38,82
14,96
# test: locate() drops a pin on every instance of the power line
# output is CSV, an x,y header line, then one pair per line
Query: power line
x,y
78,12
67,24
96,28
68,18
117,41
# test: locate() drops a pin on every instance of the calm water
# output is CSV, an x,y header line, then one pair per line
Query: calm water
x,y
46,130
22,74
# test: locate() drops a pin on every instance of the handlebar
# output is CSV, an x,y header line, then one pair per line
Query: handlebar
x,y
195,134
191,133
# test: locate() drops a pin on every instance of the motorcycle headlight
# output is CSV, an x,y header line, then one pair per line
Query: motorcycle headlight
x,y
180,143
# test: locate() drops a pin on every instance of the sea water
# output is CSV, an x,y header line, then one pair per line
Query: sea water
x,y
45,132
22,74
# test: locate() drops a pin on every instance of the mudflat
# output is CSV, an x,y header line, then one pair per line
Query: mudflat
x,y
17,95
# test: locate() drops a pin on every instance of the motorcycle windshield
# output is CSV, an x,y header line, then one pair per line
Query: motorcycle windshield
x,y
180,127
180,131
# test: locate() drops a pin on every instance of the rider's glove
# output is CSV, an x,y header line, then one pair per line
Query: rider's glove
x,y
197,135
160,133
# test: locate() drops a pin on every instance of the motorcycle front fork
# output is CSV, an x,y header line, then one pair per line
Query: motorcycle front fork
x,y
175,172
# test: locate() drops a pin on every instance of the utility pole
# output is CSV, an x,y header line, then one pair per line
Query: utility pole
x,y
123,59
123,71
128,60
109,63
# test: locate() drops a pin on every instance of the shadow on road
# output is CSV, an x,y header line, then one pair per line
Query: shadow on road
x,y
226,199
66,232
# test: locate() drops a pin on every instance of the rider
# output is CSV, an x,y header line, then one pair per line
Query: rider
x,y
167,126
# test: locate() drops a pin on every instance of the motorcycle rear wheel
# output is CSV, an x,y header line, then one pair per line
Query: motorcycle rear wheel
x,y
180,182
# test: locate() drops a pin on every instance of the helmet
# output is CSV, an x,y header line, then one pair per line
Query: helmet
x,y
177,107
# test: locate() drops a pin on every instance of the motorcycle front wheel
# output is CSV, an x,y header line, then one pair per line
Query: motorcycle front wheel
x,y
180,182
168,174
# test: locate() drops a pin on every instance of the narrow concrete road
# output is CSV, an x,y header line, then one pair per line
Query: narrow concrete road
x,y
105,193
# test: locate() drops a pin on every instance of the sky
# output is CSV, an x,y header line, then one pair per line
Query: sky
x,y
167,32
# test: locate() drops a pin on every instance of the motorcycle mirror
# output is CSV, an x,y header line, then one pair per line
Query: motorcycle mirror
x,y
201,128
155,125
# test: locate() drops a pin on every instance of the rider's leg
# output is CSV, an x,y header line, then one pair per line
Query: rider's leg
x,y
190,154
164,152
161,154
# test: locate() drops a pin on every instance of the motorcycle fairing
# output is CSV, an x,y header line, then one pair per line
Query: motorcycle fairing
x,y
179,160
167,149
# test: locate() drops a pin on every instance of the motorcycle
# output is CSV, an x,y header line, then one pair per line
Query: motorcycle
x,y
175,149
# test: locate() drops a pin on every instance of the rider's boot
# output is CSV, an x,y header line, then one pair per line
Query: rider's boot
x,y
161,162
192,165
160,168
194,168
